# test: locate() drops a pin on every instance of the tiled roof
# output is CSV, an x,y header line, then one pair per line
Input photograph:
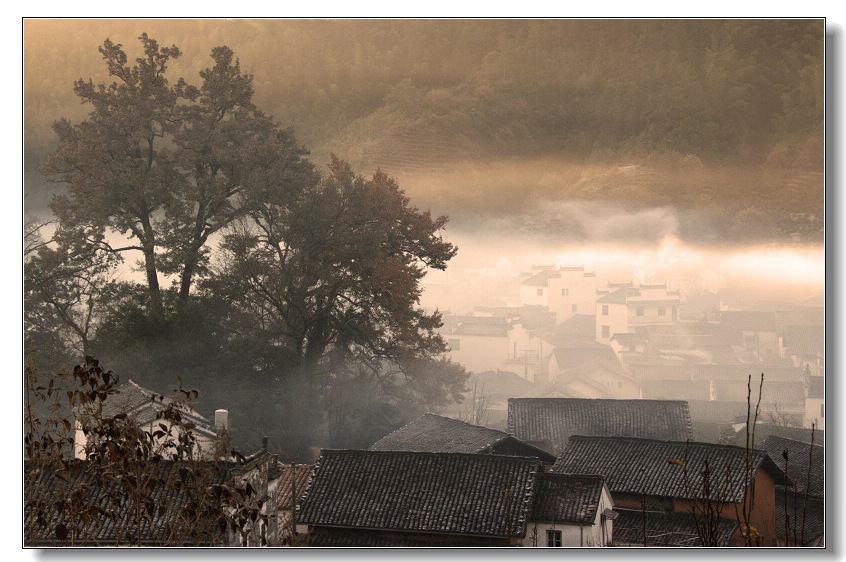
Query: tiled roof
x,y
482,329
798,457
541,279
648,466
436,493
286,479
813,522
774,393
676,390
665,529
566,498
433,433
346,538
749,321
617,297
549,422
801,317
130,398
804,340
438,434
158,527
577,353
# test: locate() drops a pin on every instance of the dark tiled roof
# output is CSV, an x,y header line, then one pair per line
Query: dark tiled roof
x,y
438,434
161,528
798,457
566,498
749,321
578,353
617,297
774,393
138,402
804,340
286,480
437,493
676,390
665,529
813,521
541,279
643,466
549,422
346,538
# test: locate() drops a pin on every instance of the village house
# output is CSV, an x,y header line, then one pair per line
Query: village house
x,y
814,401
625,308
570,510
565,291
438,434
144,406
549,422
86,503
288,488
404,498
649,475
800,508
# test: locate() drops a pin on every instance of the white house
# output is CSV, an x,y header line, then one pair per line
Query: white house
x,y
566,291
624,308
570,510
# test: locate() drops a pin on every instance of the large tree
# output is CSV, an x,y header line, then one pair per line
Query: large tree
x,y
159,162
329,276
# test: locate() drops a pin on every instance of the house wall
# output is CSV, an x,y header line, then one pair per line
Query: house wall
x,y
479,353
581,293
617,386
204,445
652,313
600,533
529,295
815,412
616,320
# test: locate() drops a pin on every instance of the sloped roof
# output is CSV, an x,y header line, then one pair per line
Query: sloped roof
x,y
579,352
345,538
749,320
643,466
676,390
781,393
552,421
161,526
813,521
567,498
144,404
798,457
801,317
665,529
438,434
474,328
617,297
285,481
439,493
541,279
804,340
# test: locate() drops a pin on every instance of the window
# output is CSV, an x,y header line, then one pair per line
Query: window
x,y
454,345
619,384
662,311
822,410
605,310
565,292
540,292
553,537
575,308
639,311
606,332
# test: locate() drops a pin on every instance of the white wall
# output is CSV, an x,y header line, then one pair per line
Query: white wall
x,y
479,353
599,534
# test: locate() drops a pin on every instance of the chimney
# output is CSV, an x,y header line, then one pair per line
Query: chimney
x,y
221,419
264,444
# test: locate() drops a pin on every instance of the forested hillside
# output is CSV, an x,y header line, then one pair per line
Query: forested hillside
x,y
713,99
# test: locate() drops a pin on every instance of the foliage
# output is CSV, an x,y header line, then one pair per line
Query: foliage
x,y
139,485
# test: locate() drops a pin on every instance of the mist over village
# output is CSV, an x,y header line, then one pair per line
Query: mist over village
x,y
424,283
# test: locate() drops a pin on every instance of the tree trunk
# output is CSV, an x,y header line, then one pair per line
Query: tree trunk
x,y
153,279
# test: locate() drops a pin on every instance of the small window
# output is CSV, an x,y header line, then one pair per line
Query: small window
x,y
606,332
565,292
822,410
540,292
619,384
662,311
575,308
639,311
553,537
605,310
454,345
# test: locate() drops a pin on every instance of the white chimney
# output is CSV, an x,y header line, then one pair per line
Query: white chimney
x,y
221,419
